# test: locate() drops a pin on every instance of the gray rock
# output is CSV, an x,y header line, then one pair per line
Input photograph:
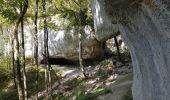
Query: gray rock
x,y
65,44
145,27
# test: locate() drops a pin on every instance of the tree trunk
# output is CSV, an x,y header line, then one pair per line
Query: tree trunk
x,y
49,68
46,53
36,46
36,34
17,48
80,41
23,59
117,46
9,51
18,66
144,26
80,54
13,61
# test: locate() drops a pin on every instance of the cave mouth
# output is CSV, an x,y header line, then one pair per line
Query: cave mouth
x,y
67,62
59,61
112,48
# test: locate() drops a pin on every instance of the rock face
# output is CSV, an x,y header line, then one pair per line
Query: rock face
x,y
65,44
145,27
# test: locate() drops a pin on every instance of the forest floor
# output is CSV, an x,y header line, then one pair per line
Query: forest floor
x,y
107,80
112,82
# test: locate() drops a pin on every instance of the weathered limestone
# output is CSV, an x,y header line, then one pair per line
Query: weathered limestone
x,y
145,27
64,44
103,22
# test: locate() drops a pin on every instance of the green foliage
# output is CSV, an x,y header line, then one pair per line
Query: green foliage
x,y
102,74
81,94
106,63
105,69
9,95
4,70
8,9
93,94
72,10
59,96
74,85
51,25
79,91
7,90
31,73
68,10
28,60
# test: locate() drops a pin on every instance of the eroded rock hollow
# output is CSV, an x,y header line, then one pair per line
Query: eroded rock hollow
x,y
145,27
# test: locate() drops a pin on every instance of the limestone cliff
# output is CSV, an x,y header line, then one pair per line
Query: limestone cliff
x,y
65,44
145,27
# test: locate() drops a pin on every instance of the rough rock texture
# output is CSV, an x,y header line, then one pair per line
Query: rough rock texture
x,y
64,44
101,17
145,27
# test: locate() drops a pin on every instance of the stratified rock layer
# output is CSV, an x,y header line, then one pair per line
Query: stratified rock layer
x,y
145,27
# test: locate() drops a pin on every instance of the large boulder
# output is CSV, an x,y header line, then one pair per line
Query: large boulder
x,y
145,27
65,44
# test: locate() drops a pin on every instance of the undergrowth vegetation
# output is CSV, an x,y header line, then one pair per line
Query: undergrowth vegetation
x,y
77,88
105,69
7,87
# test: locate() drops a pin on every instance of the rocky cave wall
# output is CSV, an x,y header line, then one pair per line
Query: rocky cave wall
x,y
145,27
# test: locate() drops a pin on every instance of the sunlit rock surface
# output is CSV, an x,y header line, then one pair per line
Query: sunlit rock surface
x,y
145,27
65,44
105,27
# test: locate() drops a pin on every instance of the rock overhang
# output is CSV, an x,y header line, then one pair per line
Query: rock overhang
x,y
105,27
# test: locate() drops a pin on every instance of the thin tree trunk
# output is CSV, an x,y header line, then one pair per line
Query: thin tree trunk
x,y
23,59
117,46
17,60
80,54
36,34
80,41
49,67
9,51
13,61
46,68
18,66
45,46
36,46
45,63
58,79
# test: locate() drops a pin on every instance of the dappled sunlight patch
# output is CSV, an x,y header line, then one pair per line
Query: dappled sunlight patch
x,y
90,81
83,94
5,90
110,83
112,77
10,84
68,72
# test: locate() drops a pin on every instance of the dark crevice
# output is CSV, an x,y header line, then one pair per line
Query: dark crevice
x,y
67,62
58,61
